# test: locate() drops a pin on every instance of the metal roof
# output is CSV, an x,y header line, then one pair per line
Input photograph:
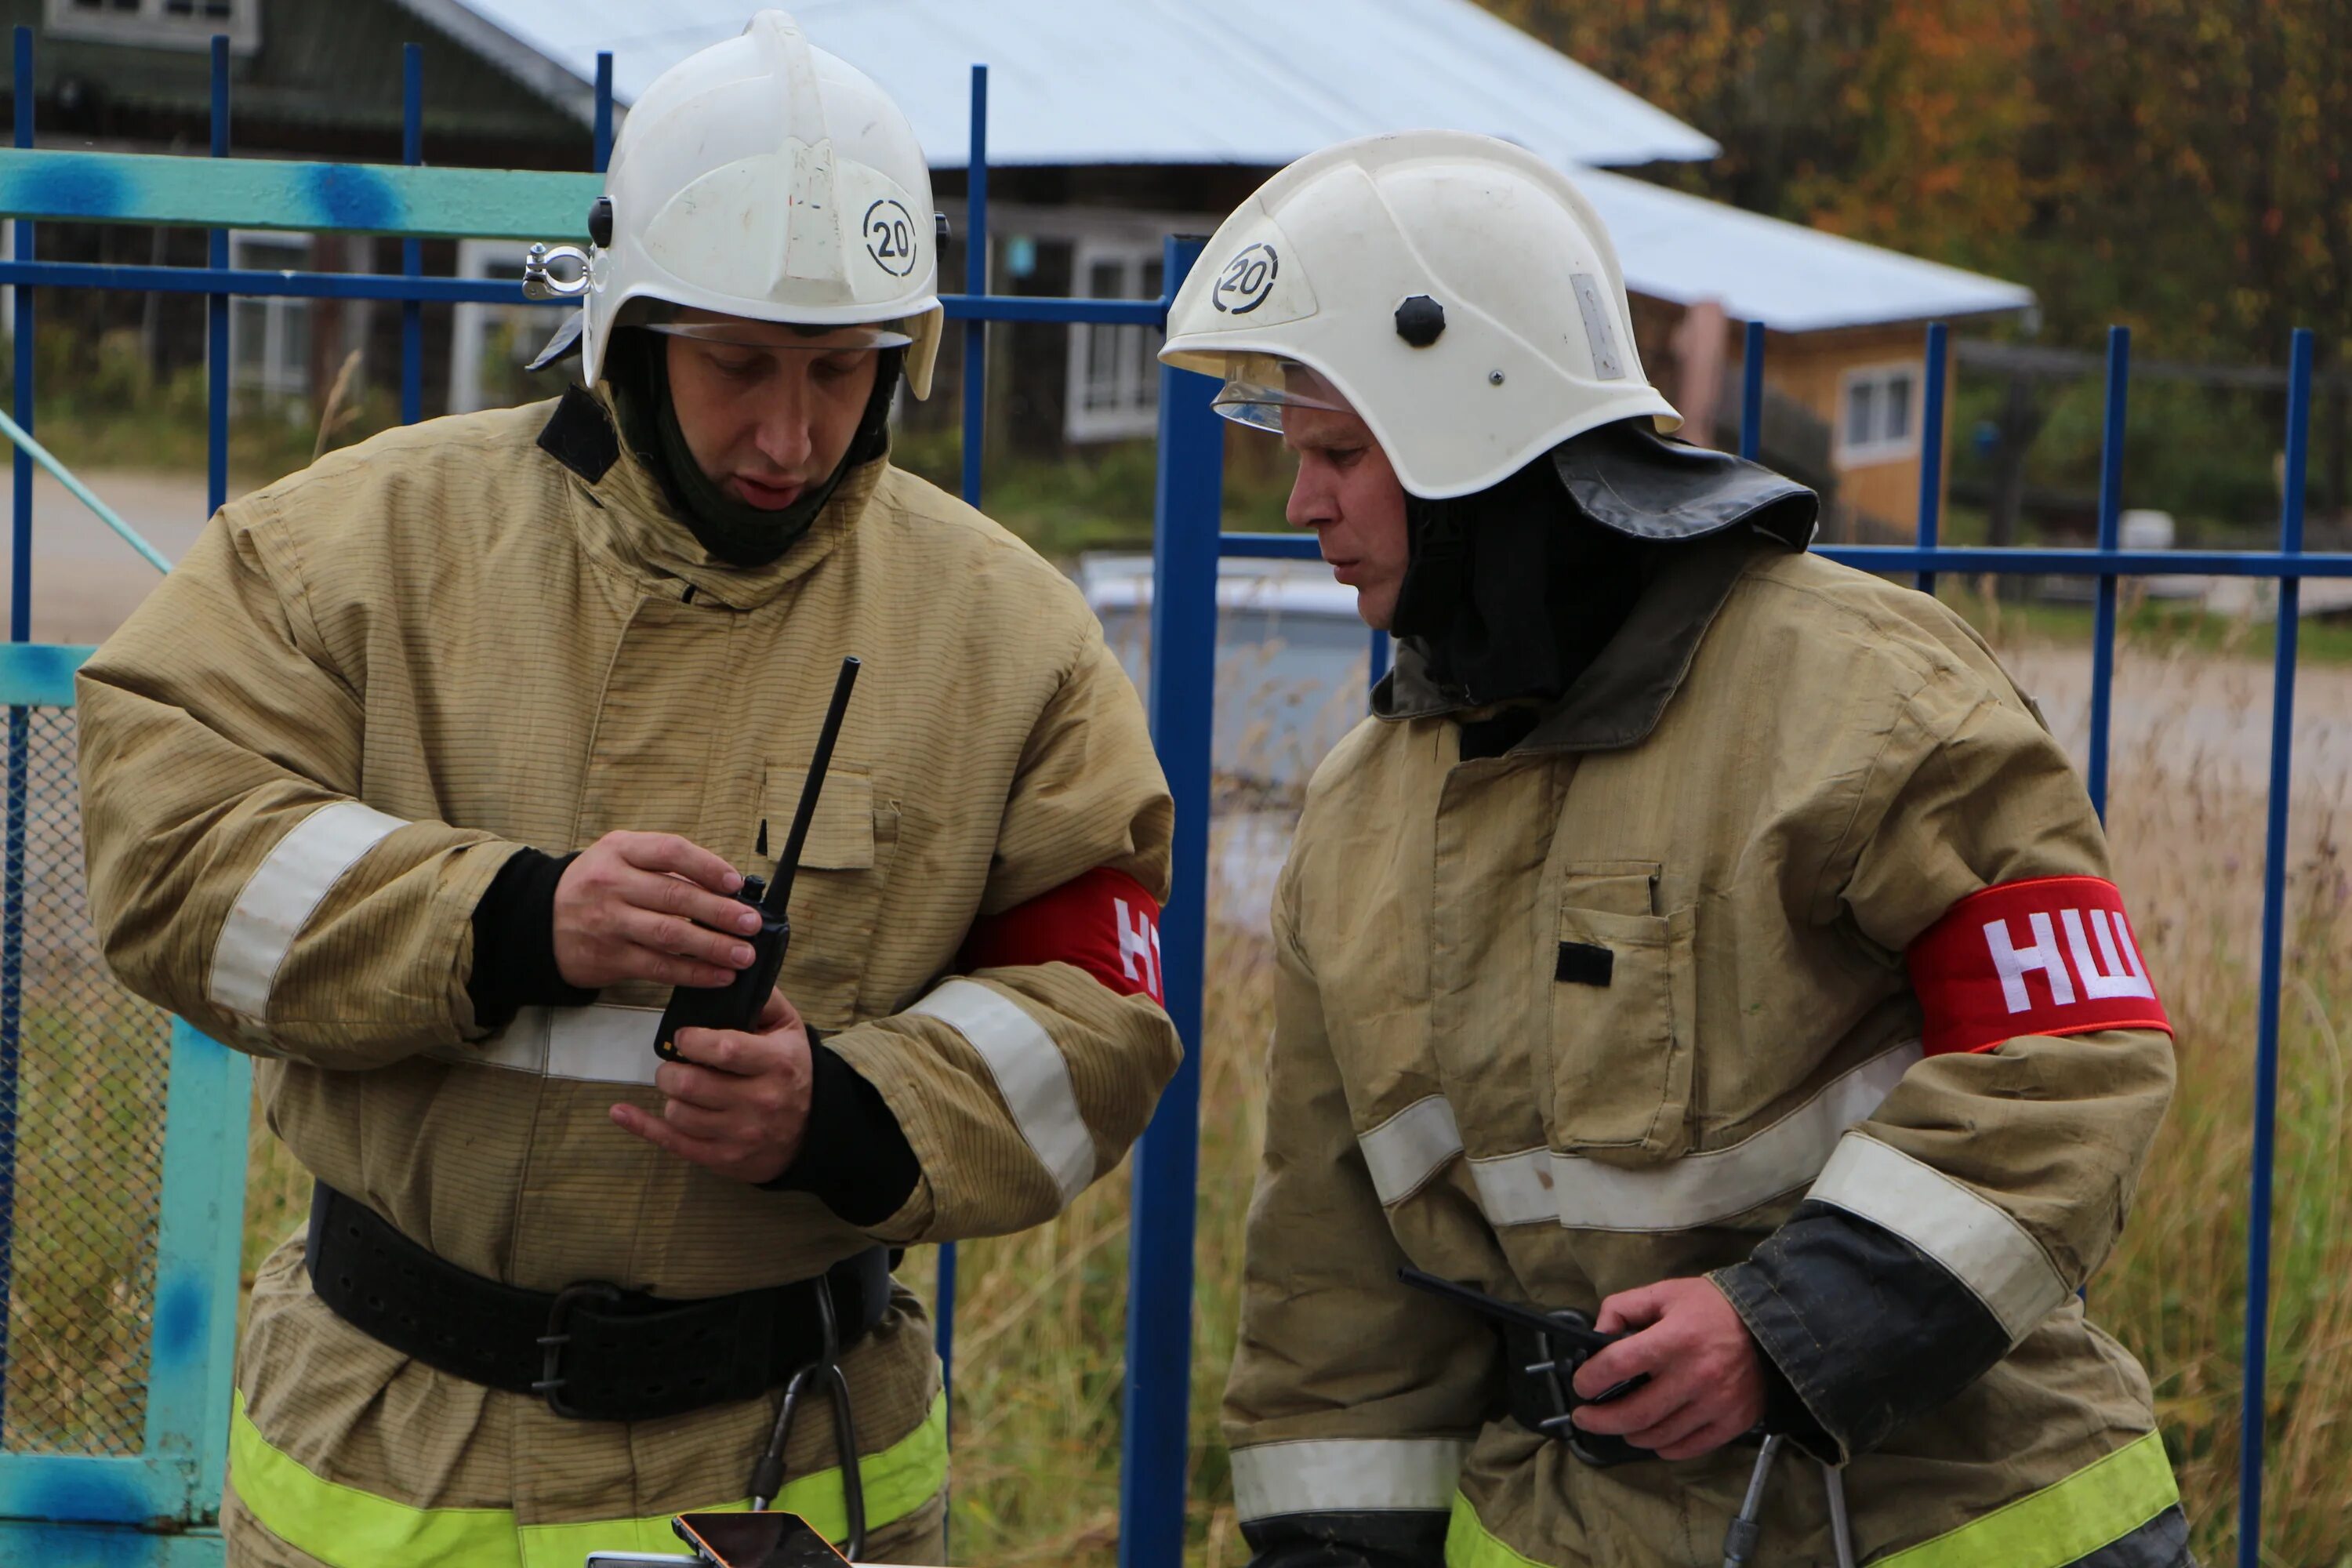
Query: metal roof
x,y
1093,82
1684,248
1140,82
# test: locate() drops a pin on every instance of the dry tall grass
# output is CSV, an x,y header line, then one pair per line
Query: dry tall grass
x,y
1040,1316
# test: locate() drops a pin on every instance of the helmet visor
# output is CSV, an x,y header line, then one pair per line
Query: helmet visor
x,y
1259,386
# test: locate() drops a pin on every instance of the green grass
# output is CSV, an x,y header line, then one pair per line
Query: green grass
x,y
88,1167
2159,626
1092,498
98,405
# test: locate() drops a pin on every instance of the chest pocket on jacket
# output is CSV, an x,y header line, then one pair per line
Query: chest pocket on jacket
x,y
837,901
1623,1001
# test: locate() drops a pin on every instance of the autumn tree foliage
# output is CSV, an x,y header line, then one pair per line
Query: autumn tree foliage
x,y
2181,165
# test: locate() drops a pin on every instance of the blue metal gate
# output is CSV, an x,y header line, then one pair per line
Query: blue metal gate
x,y
144,1489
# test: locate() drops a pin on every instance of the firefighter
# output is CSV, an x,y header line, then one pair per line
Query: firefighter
x,y
1699,937
433,769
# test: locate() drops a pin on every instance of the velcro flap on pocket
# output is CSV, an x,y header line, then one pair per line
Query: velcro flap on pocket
x,y
1621,1034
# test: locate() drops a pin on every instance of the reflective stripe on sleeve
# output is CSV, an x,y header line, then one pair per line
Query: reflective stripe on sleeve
x,y
1410,1147
1983,1246
1357,1475
1030,1073
602,1044
280,898
1581,1194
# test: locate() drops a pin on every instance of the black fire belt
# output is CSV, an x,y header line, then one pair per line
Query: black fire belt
x,y
592,1350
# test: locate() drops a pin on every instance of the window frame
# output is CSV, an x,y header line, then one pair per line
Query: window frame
x,y
151,27
279,379
1135,413
472,323
1879,447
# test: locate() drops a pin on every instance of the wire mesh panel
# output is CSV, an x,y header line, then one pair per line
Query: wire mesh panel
x,y
89,1136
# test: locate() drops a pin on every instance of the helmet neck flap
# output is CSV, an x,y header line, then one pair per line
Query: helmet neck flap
x,y
1510,593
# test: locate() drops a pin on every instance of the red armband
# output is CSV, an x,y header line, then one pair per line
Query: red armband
x,y
2050,956
1104,922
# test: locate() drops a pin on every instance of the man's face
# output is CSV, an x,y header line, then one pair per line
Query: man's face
x,y
1348,495
767,424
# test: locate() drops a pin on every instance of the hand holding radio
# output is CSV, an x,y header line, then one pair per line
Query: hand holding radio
x,y
1703,1375
736,1101
736,1074
735,1000
651,906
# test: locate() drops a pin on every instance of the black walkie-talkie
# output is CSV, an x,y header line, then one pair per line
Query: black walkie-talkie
x,y
736,1003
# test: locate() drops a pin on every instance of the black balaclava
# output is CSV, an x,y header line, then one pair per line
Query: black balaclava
x,y
636,366
1510,593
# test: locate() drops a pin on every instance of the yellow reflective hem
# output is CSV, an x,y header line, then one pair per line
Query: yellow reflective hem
x,y
345,1527
1469,1545
2102,1502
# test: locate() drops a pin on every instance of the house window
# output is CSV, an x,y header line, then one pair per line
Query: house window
x,y
158,23
1114,385
270,338
1877,417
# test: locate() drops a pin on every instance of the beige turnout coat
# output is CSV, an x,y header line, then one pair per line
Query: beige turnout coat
x,y
1778,776
306,755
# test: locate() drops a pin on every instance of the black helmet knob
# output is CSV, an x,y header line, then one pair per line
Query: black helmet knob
x,y
600,223
1419,320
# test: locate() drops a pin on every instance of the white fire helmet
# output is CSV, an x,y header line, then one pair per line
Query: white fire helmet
x,y
765,179
1458,292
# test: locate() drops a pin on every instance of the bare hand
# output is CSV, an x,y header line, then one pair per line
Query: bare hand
x,y
739,1103
650,906
1707,1377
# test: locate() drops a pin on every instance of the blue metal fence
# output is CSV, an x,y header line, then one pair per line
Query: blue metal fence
x,y
84,1505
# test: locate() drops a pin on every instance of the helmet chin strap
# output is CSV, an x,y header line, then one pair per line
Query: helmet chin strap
x,y
733,531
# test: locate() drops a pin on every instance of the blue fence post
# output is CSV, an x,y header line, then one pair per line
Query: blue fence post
x,y
1751,391
1383,654
412,251
975,441
975,283
199,1235
600,155
20,597
2103,625
216,356
1189,506
20,746
2266,1036
1931,448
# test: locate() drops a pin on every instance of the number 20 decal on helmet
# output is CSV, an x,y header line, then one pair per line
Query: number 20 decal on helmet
x,y
1246,279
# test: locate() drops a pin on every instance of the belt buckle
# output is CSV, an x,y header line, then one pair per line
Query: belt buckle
x,y
1548,1372
551,1343
1553,1373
